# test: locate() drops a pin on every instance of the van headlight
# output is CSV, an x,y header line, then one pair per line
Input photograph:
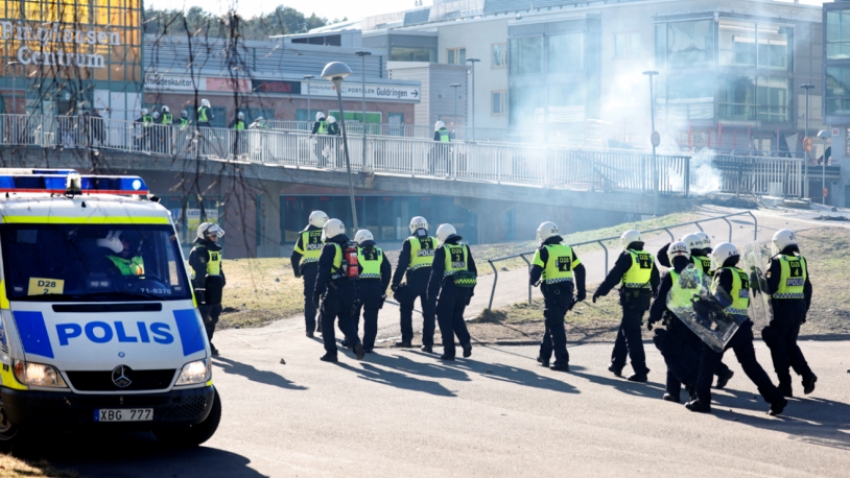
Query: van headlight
x,y
38,374
199,371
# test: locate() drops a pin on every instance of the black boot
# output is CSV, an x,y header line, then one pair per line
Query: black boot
x,y
809,384
778,406
668,397
722,380
359,353
542,362
427,349
213,350
638,377
467,352
560,367
329,358
698,406
404,344
617,371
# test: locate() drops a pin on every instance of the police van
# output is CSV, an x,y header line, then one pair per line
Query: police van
x,y
98,323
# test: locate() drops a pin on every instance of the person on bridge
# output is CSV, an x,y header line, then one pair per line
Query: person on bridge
x,y
142,141
441,152
259,123
730,287
333,127
238,124
450,288
415,259
305,262
334,146
336,289
375,275
184,120
166,117
208,279
636,272
441,134
699,246
321,128
561,272
791,297
204,114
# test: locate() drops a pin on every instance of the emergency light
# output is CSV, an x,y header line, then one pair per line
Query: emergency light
x,y
55,181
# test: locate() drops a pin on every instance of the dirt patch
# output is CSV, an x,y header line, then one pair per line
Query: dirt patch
x,y
11,466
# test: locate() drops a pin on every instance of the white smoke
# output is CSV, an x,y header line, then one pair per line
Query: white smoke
x,y
704,176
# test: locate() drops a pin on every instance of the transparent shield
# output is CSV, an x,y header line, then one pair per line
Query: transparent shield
x,y
755,261
697,308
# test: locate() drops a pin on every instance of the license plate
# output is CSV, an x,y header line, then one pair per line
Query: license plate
x,y
123,414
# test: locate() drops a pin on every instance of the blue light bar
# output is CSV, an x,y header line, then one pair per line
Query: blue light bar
x,y
57,184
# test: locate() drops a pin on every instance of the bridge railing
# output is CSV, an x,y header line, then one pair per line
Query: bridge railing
x,y
550,166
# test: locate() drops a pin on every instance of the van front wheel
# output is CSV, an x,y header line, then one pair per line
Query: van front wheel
x,y
8,432
193,435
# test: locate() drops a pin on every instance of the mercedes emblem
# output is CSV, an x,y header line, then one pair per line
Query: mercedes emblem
x,y
120,376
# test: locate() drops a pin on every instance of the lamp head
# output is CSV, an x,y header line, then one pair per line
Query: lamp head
x,y
336,71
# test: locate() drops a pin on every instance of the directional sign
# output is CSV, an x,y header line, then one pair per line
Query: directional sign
x,y
355,90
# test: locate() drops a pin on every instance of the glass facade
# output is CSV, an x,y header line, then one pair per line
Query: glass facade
x,y
64,51
838,35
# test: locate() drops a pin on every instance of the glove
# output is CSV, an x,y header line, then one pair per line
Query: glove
x,y
394,287
297,271
596,295
581,296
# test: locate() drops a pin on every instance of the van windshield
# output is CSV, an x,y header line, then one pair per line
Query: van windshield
x,y
73,262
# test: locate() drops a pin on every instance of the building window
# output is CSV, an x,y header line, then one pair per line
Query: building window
x,y
526,55
688,43
413,54
737,98
627,45
690,96
838,35
772,99
456,56
566,52
500,55
738,47
498,103
838,90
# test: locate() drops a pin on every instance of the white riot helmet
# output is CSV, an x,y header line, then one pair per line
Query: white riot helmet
x,y
144,111
678,249
363,235
333,228
439,125
260,118
320,116
241,115
706,241
782,239
210,229
165,109
546,230
444,232
155,115
184,114
318,219
111,242
331,120
693,241
417,223
205,103
724,251
629,237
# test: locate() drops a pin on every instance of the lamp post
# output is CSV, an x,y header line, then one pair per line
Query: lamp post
x,y
308,78
363,54
805,184
655,138
455,86
473,61
335,72
824,134
14,82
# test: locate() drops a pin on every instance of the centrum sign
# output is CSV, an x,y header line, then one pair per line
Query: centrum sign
x,y
410,93
66,38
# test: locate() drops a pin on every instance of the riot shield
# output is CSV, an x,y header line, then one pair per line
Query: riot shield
x,y
755,261
692,303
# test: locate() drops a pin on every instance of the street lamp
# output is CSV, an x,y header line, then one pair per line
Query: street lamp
x,y
363,54
805,184
455,86
14,83
824,134
308,78
335,72
473,61
655,138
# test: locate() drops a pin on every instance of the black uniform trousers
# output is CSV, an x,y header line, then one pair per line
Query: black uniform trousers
x,y
369,299
308,274
210,315
781,337
557,299
742,344
450,307
681,351
338,302
635,302
417,285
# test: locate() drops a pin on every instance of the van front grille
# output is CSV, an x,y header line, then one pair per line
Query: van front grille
x,y
101,381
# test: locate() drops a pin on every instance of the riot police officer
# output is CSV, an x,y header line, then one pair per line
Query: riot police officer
x,y
560,270
730,287
208,276
791,296
336,289
375,275
305,260
636,272
204,114
415,259
450,288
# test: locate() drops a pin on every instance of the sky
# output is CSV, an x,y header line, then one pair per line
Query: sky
x,y
330,9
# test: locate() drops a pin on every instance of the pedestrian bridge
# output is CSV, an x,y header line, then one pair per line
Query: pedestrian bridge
x,y
607,180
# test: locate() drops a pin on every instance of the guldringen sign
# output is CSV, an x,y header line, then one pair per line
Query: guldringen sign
x,y
64,37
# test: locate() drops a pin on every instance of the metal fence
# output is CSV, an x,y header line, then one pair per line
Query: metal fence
x,y
550,166
781,177
601,243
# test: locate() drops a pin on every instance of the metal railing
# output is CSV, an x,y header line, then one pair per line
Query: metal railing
x,y
781,177
550,166
601,242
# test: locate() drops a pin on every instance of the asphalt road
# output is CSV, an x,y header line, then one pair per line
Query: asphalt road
x,y
403,413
